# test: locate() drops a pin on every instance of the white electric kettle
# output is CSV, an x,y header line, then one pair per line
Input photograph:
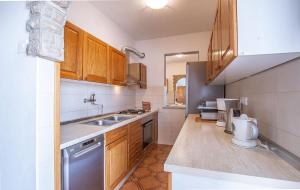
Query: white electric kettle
x,y
245,131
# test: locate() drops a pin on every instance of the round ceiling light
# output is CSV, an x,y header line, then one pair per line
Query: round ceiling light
x,y
157,4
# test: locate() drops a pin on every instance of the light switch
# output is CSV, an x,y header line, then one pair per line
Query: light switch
x,y
22,45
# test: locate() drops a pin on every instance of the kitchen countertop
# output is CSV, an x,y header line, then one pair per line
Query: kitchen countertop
x,y
174,106
203,149
74,133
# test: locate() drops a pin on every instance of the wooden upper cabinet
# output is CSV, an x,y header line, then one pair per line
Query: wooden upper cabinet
x,y
209,62
135,143
223,45
95,59
228,30
117,67
71,68
216,45
250,47
143,81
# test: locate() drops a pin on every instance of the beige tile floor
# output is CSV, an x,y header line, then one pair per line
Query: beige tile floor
x,y
150,175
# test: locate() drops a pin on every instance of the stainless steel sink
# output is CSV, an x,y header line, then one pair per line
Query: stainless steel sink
x,y
118,118
101,122
108,121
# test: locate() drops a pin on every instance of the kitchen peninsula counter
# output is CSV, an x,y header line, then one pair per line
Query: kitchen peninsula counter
x,y
204,157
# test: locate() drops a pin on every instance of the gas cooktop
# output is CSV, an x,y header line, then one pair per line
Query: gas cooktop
x,y
132,112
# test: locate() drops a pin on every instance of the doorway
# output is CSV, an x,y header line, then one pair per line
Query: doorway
x,y
175,76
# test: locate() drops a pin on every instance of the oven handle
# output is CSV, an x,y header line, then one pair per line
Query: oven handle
x,y
147,123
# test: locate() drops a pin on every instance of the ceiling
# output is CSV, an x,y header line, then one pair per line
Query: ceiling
x,y
182,58
141,22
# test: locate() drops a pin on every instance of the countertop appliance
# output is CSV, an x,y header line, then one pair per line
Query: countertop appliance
x,y
83,165
209,110
147,124
245,131
227,109
197,91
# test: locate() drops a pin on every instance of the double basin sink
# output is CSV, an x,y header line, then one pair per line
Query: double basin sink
x,y
109,120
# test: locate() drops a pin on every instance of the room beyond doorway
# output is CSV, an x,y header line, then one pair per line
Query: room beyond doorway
x,y
175,76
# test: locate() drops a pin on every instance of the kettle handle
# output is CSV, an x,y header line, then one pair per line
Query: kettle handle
x,y
254,128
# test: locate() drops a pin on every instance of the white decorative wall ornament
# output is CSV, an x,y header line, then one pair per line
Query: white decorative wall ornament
x,y
46,29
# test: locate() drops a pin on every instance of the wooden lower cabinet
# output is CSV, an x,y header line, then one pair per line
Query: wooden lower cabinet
x,y
135,143
155,127
124,150
116,162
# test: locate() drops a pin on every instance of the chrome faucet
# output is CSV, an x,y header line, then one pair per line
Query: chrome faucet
x,y
92,99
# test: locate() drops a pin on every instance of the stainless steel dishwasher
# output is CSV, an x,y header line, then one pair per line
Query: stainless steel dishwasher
x,y
83,165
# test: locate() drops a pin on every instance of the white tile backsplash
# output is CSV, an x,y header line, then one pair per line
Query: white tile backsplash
x,y
274,99
113,98
153,94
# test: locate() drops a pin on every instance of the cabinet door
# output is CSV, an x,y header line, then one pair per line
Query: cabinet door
x,y
71,68
116,162
143,70
209,62
95,59
118,67
228,31
216,46
135,143
155,127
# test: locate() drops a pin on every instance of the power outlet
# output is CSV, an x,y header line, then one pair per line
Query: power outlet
x,y
244,101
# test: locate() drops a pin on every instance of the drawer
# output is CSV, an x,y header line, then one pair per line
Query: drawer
x,y
115,134
135,124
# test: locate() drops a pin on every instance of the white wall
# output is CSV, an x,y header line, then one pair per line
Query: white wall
x,y
86,16
45,97
177,68
274,100
155,49
192,182
26,137
113,98
18,95
170,123
258,33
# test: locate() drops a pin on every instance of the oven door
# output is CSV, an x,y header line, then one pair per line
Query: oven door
x,y
147,133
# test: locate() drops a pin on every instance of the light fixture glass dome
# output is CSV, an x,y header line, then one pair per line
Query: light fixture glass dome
x,y
157,4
